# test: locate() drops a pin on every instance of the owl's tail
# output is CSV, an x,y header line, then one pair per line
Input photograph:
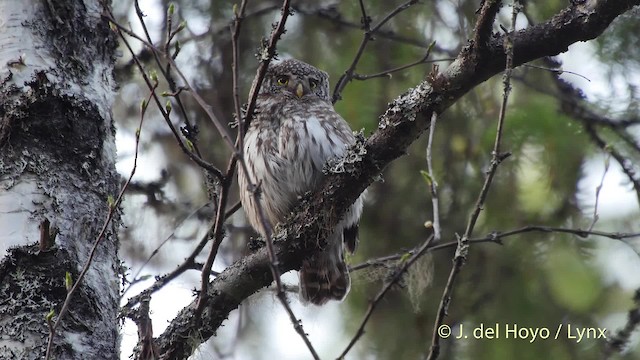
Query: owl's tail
x,y
324,276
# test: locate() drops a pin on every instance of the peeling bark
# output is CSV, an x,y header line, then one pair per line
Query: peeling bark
x,y
57,169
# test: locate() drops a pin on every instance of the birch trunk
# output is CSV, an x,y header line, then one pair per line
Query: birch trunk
x,y
57,170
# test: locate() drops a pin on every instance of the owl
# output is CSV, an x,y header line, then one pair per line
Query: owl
x,y
294,132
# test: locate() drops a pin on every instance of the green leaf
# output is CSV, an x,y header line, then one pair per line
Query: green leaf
x,y
68,281
427,178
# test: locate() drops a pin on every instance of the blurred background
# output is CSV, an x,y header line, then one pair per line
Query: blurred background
x,y
559,175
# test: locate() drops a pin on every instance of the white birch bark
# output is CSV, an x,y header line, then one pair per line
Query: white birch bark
x,y
57,163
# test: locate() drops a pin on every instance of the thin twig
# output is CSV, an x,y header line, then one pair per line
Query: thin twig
x,y
596,217
365,20
433,184
368,35
235,36
165,70
332,15
496,237
556,71
374,303
387,73
203,104
218,231
488,13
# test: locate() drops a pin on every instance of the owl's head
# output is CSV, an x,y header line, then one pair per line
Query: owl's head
x,y
296,80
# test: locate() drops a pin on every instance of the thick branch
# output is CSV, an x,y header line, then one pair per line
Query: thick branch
x,y
404,121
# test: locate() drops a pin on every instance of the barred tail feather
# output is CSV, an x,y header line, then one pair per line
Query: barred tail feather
x,y
324,276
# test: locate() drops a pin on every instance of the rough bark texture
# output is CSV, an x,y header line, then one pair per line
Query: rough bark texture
x,y
404,121
57,170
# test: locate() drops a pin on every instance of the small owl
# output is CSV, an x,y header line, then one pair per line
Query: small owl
x,y
295,131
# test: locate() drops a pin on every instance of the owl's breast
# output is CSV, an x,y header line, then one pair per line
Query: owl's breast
x,y
286,149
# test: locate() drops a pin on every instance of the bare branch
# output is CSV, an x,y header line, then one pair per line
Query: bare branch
x,y
387,73
496,237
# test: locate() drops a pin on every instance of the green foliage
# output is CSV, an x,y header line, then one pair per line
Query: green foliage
x,y
573,283
620,45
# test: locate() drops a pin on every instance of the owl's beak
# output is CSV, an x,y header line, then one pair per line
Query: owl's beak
x,y
299,90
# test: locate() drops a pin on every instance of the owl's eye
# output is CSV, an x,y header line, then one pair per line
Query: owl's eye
x,y
313,83
282,80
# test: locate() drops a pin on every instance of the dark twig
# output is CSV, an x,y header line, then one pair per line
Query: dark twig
x,y
218,232
483,26
365,20
235,36
556,71
550,229
332,15
188,264
165,70
232,209
496,237
368,35
203,104
372,305
617,343
387,73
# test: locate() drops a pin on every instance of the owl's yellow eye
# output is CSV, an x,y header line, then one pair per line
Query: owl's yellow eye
x,y
313,83
282,80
